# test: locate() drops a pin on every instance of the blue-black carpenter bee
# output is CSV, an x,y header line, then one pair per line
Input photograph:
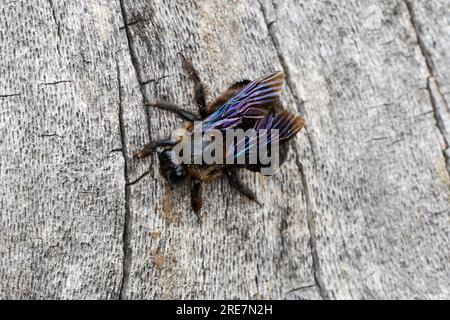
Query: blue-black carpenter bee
x,y
245,105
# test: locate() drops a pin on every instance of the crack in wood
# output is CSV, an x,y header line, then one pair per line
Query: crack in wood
x,y
133,23
49,135
289,83
10,95
306,286
300,104
436,113
116,150
156,80
431,76
281,229
126,265
134,61
312,233
55,82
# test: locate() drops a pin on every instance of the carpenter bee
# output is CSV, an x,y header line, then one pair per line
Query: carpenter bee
x,y
245,105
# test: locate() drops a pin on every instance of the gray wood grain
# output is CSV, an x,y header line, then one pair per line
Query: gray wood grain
x,y
360,209
62,184
379,184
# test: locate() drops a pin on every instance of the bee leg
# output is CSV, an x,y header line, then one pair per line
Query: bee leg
x,y
152,146
200,99
168,106
199,89
234,181
196,196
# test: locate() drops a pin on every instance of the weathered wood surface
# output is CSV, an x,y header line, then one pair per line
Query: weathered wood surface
x,y
360,209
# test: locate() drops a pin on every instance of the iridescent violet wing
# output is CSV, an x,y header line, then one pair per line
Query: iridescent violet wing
x,y
287,124
251,102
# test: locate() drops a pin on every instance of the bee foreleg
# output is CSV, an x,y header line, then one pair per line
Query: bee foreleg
x,y
234,181
196,196
199,89
153,146
168,106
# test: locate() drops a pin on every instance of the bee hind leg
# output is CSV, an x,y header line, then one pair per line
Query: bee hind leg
x,y
196,197
234,181
168,106
151,147
199,88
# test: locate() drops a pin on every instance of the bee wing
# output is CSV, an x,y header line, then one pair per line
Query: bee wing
x,y
287,124
251,102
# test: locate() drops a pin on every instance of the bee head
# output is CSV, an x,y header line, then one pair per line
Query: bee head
x,y
174,173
